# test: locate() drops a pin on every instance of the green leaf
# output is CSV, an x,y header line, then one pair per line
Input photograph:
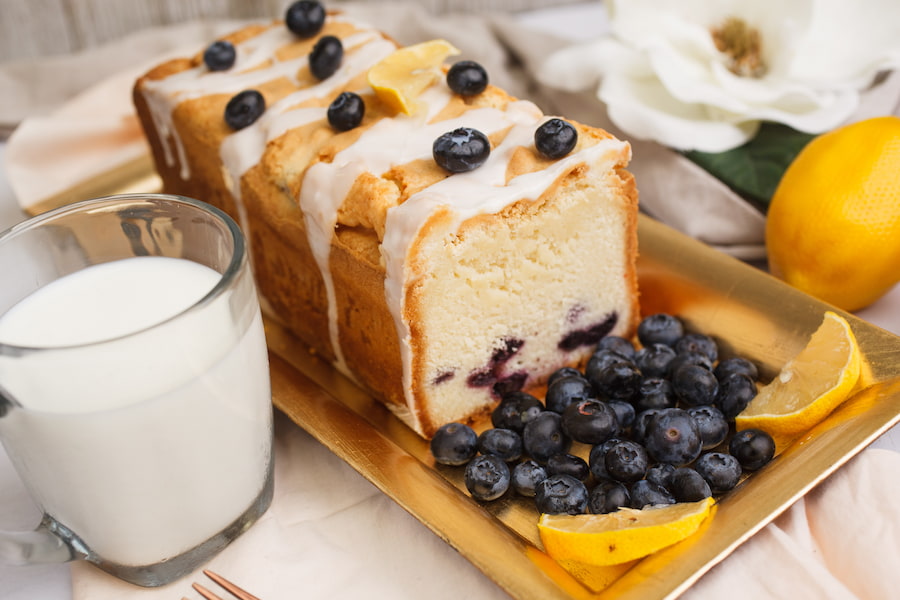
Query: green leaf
x,y
754,169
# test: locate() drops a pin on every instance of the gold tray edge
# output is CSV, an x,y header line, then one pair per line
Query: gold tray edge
x,y
137,175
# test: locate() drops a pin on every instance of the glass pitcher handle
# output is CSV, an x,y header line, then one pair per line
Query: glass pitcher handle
x,y
7,402
42,545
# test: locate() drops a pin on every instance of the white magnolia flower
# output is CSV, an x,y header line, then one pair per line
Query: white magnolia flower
x,y
702,74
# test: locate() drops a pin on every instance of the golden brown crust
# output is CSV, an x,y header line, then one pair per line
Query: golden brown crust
x,y
283,262
629,193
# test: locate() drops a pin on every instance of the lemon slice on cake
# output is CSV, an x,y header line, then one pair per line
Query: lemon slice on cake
x,y
404,74
809,386
621,536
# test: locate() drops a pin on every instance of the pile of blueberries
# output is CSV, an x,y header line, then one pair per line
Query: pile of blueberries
x,y
658,421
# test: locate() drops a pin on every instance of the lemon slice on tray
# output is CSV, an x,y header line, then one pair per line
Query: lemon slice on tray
x,y
809,387
621,536
403,75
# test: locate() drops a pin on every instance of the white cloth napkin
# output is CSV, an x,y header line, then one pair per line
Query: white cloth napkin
x,y
329,533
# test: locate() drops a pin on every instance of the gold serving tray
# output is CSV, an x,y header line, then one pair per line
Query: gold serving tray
x,y
750,313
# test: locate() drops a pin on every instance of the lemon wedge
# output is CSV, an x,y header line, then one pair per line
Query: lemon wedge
x,y
809,386
403,75
621,536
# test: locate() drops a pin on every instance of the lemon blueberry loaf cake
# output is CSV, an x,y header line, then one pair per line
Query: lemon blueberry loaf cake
x,y
439,241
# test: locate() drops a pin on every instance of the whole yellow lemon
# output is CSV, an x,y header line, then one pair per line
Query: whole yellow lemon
x,y
833,226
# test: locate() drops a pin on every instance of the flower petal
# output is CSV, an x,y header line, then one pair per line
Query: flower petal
x,y
847,43
574,68
643,108
789,102
693,81
834,109
644,22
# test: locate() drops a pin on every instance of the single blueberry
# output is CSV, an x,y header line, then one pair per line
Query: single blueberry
x,y
641,420
689,358
590,421
555,138
687,485
305,18
672,436
544,436
736,364
712,425
467,78
721,471
526,476
601,359
753,448
597,458
646,493
346,111
461,150
568,464
618,381
625,413
618,345
454,444
505,443
660,328
244,109
626,461
695,385
654,392
660,473
698,342
734,394
219,56
561,494
515,410
653,360
568,390
608,496
326,57
487,477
